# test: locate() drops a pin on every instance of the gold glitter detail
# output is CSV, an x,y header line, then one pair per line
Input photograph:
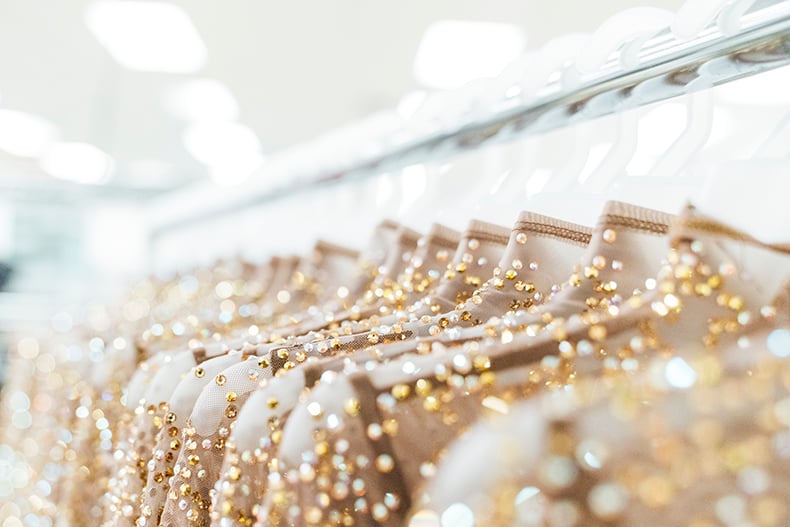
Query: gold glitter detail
x,y
351,406
401,391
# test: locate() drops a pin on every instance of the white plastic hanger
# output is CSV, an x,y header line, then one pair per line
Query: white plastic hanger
x,y
627,31
694,16
672,181
777,145
553,57
729,19
623,148
635,25
741,190
699,123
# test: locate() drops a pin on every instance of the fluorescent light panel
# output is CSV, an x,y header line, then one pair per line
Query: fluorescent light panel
x,y
25,135
236,170
220,143
197,100
77,162
147,35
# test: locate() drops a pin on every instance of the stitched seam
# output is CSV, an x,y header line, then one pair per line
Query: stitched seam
x,y
448,244
613,220
554,231
718,228
486,237
618,208
410,237
444,233
336,249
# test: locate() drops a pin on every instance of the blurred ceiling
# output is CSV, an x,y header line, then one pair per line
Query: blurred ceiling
x,y
297,69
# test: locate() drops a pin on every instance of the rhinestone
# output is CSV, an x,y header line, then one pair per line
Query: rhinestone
x,y
392,501
314,409
401,391
386,401
385,463
599,262
351,406
608,500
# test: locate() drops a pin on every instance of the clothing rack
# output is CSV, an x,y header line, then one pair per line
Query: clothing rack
x,y
667,68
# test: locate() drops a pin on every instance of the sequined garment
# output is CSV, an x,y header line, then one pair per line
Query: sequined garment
x,y
631,374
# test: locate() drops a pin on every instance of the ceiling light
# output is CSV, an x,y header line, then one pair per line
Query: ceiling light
x,y
147,35
236,170
78,163
201,100
149,173
216,144
454,52
25,135
767,88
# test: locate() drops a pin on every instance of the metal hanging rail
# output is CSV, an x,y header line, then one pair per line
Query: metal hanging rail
x,y
668,68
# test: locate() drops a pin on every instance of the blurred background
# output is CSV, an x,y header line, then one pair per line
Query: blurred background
x,y
121,121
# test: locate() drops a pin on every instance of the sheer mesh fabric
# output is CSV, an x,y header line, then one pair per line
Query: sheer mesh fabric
x,y
399,428
711,452
202,446
239,495
162,458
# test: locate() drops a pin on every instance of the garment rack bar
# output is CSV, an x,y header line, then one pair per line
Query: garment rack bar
x,y
668,68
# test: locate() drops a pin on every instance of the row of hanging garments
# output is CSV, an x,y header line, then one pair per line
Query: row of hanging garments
x,y
524,371
632,373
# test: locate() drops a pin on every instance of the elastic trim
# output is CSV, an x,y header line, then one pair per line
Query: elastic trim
x,y
409,236
329,247
484,231
389,224
443,235
691,219
540,225
633,217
